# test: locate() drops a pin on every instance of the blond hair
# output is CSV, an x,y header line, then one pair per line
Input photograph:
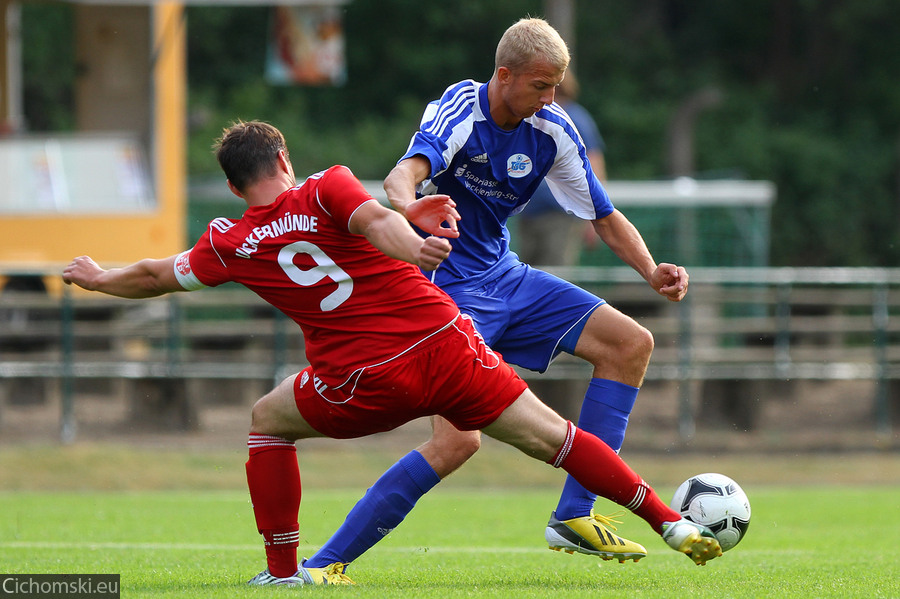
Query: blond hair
x,y
529,40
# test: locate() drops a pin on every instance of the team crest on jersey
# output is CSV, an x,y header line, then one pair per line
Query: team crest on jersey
x,y
518,165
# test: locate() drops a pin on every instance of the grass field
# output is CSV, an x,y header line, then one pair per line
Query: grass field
x,y
188,530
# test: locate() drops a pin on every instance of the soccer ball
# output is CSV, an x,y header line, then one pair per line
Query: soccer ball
x,y
716,501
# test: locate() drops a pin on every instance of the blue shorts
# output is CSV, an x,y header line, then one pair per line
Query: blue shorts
x,y
526,314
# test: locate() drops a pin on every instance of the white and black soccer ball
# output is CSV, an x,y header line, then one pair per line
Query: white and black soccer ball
x,y
716,501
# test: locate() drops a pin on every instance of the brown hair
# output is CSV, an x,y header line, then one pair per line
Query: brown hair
x,y
248,152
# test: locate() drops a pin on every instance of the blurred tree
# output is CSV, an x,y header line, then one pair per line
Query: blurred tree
x,y
48,66
395,63
810,95
809,101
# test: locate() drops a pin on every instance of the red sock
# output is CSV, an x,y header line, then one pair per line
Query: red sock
x,y
273,477
600,470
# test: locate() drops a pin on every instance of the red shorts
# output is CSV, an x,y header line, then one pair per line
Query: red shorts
x,y
453,374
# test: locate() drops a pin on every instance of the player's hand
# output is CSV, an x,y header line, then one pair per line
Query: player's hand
x,y
670,281
82,271
434,250
435,215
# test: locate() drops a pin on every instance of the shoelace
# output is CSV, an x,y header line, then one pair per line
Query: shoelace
x,y
335,573
608,520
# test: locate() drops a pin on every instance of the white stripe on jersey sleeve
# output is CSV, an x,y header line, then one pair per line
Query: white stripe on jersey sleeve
x,y
440,120
567,178
447,111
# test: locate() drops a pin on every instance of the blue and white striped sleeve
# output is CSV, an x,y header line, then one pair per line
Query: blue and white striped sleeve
x,y
445,126
571,179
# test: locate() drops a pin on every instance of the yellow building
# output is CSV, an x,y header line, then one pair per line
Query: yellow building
x,y
116,188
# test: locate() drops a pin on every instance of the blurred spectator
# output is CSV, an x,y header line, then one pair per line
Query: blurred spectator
x,y
547,235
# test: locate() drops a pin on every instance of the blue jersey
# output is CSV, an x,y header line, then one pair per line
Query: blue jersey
x,y
491,173
543,202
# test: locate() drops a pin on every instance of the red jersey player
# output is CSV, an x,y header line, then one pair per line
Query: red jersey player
x,y
384,345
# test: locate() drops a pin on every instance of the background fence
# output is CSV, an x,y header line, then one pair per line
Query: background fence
x,y
741,335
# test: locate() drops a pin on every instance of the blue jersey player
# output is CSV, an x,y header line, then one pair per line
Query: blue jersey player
x,y
488,147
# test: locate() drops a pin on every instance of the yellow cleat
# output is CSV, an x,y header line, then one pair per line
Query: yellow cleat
x,y
331,574
591,535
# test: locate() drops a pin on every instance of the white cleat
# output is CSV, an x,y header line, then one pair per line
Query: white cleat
x,y
694,540
333,574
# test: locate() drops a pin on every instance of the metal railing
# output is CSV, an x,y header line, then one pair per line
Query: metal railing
x,y
736,324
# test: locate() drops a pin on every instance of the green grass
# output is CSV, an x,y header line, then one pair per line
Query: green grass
x,y
806,541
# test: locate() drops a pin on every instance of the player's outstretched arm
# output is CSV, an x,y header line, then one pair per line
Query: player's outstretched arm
x,y
146,278
391,233
623,238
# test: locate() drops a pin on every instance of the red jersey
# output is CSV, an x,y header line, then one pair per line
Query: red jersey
x,y
356,306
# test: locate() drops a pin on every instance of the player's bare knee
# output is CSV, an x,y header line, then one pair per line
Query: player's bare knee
x,y
643,344
630,353
456,449
465,446
636,349
262,417
446,453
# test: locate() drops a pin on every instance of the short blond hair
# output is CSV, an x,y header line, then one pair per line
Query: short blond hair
x,y
529,40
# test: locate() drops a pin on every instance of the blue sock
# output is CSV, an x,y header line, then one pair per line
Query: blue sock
x,y
607,405
379,511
